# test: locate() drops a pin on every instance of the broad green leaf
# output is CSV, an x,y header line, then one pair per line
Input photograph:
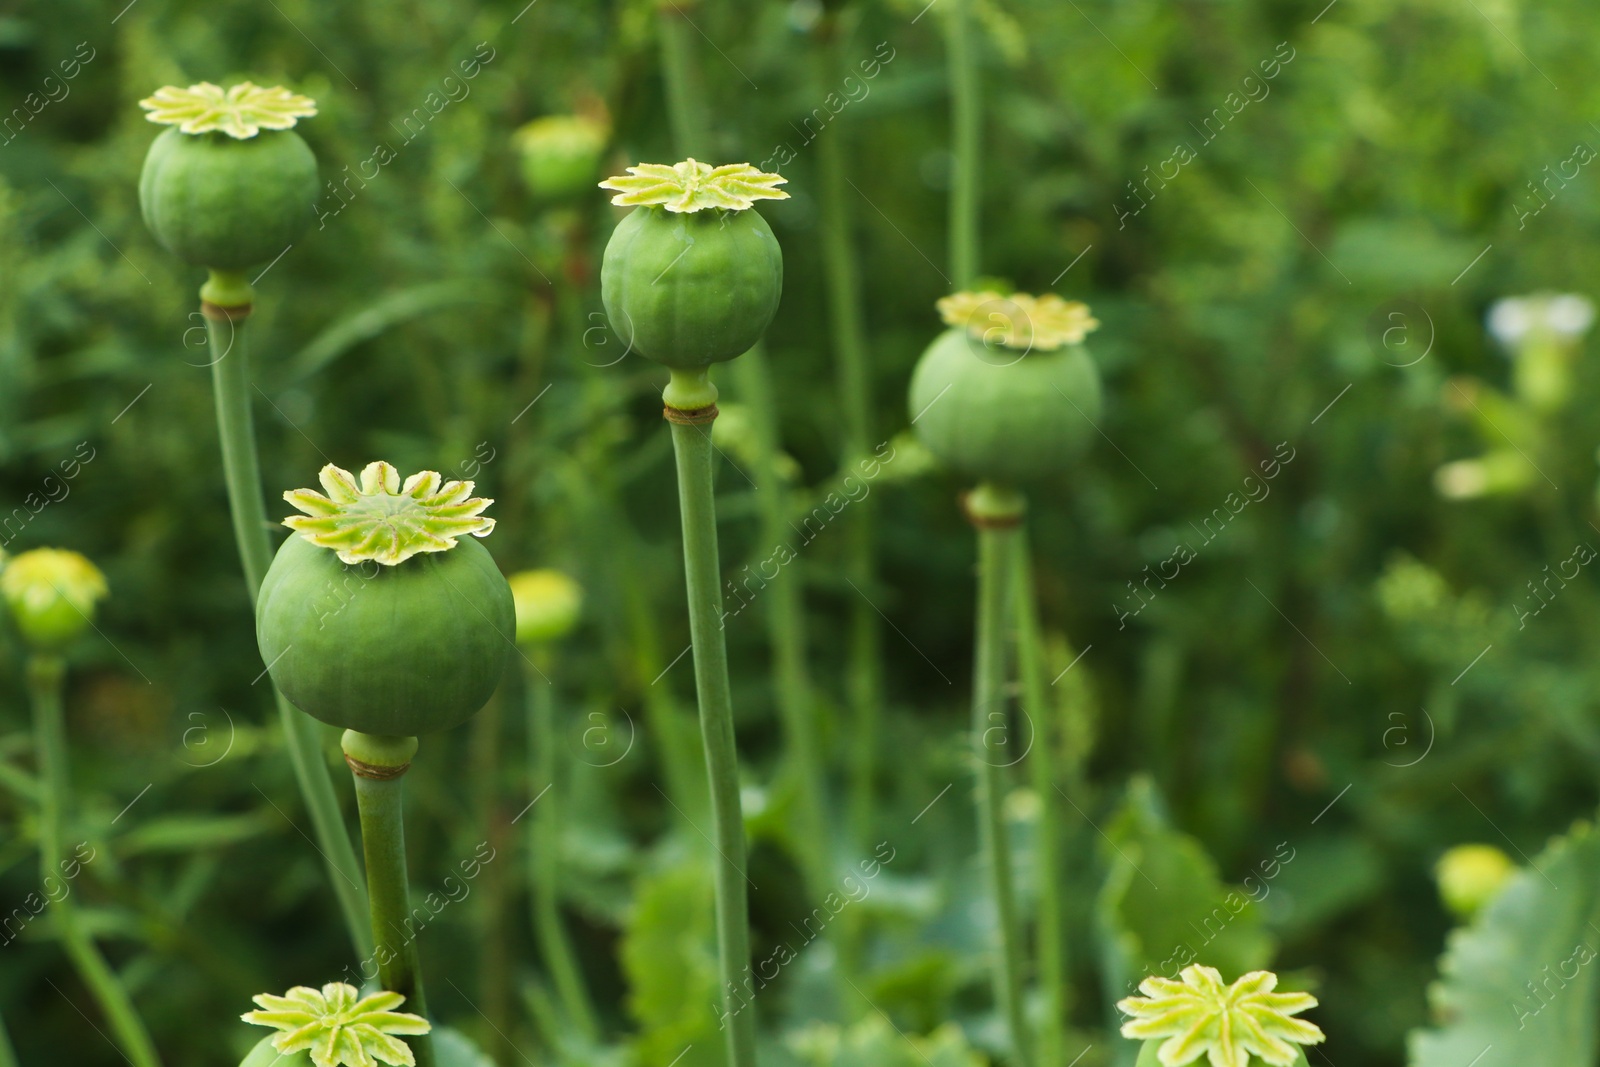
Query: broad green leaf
x,y
669,957
1517,988
382,314
1163,905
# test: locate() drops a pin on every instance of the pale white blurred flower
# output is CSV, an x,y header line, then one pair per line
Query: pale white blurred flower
x,y
1565,316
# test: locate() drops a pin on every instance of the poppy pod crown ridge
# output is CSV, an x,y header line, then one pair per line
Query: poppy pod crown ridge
x,y
383,520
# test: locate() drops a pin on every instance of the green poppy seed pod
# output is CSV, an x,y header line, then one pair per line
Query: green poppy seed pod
x,y
548,603
1470,876
560,154
1008,394
51,593
693,276
375,617
231,185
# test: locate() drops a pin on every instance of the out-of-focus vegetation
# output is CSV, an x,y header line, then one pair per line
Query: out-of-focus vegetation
x,y
1292,221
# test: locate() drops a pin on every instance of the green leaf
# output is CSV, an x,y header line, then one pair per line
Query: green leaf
x,y
182,833
382,314
872,1042
1163,905
669,957
1518,986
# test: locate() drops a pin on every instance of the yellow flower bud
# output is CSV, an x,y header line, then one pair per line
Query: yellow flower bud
x,y
51,593
1470,876
548,603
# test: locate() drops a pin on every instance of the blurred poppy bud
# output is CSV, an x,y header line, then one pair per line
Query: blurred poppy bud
x,y
1008,393
1470,876
1542,332
548,604
51,593
560,154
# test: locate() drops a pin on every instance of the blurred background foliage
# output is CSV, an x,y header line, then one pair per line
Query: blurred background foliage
x,y
1342,684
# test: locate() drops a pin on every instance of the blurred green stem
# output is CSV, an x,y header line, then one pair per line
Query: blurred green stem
x,y
544,848
691,441
669,727
494,940
785,615
855,388
1050,945
997,512
8,1055
230,375
685,99
966,114
786,624
377,764
45,678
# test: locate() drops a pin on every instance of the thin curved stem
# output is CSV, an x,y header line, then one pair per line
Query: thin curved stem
x,y
848,329
230,373
680,70
8,1055
966,116
786,626
996,545
1050,944
383,840
544,851
45,674
692,446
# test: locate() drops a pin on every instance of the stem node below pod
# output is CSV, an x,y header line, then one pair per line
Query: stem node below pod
x,y
380,615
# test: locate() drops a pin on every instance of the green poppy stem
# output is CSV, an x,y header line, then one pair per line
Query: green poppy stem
x,y
997,513
378,763
847,324
786,627
230,373
8,1055
1050,943
691,407
966,115
544,850
45,676
681,72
